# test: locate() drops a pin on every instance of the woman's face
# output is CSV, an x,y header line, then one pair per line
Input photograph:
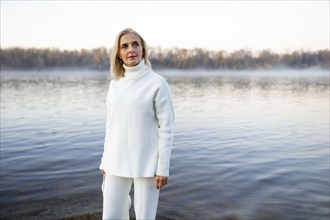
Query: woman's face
x,y
130,49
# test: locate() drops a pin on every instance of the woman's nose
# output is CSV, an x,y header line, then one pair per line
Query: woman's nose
x,y
131,49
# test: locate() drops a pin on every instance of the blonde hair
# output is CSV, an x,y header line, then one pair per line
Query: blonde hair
x,y
117,70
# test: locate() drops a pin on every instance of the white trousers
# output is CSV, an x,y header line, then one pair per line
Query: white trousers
x,y
116,199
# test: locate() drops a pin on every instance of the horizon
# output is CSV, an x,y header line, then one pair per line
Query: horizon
x,y
255,53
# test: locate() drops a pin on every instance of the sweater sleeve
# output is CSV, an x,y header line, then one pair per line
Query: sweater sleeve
x,y
107,135
165,116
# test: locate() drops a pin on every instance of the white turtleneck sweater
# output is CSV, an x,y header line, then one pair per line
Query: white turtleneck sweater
x,y
139,129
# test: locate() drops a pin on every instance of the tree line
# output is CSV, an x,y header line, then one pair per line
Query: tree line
x,y
98,59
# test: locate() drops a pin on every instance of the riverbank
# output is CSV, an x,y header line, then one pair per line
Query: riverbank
x,y
88,216
97,216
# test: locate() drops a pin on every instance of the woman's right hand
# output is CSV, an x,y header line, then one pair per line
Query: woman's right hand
x,y
103,172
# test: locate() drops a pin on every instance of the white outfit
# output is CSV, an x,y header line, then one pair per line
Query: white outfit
x,y
138,141
139,129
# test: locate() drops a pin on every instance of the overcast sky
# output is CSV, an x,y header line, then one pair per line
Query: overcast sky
x,y
214,25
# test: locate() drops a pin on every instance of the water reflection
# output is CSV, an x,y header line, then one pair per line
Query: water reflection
x,y
247,145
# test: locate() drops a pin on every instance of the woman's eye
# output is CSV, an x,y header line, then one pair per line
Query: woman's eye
x,y
123,46
136,44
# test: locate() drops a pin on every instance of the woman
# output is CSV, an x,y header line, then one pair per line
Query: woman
x,y
139,131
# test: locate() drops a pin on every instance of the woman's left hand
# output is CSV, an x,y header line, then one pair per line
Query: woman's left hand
x,y
160,181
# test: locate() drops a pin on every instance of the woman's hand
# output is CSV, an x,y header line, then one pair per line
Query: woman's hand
x,y
103,172
160,181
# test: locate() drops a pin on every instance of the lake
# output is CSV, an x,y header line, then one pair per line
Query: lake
x,y
248,144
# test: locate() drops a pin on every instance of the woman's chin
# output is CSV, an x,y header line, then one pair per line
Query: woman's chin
x,y
132,62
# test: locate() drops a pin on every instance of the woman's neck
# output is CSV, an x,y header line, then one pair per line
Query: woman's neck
x,y
135,71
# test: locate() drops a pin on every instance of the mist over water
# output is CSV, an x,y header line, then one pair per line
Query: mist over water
x,y
248,144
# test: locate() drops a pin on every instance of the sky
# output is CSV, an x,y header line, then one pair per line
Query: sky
x,y
280,26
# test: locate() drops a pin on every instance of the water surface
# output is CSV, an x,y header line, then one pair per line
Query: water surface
x,y
249,145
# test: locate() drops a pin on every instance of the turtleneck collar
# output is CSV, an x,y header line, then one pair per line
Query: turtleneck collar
x,y
135,71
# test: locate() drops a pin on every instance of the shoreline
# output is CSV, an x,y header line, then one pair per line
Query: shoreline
x,y
98,215
87,216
